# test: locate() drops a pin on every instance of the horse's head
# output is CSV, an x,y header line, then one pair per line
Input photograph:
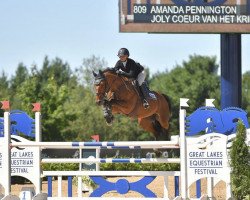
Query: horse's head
x,y
102,84
100,87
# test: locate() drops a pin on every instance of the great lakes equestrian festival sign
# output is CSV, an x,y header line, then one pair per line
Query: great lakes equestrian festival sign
x,y
208,16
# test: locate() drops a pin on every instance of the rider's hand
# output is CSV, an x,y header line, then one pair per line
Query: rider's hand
x,y
119,72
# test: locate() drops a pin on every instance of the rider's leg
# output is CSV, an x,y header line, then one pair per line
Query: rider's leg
x,y
140,79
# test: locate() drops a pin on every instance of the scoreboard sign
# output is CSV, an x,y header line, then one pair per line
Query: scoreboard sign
x,y
185,16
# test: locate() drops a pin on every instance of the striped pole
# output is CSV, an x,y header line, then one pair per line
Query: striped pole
x,y
94,145
111,160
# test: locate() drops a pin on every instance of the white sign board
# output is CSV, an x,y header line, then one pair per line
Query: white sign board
x,y
207,157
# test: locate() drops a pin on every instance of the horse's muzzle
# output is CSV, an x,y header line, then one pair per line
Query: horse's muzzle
x,y
99,102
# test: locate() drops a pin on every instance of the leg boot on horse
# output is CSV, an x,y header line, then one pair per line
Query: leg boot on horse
x,y
107,113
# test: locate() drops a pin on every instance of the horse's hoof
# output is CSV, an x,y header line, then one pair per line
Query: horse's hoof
x,y
109,124
109,120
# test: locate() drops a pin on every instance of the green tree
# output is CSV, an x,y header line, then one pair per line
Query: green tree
x,y
20,76
246,91
52,98
4,90
51,87
16,81
93,63
240,159
4,87
55,68
195,79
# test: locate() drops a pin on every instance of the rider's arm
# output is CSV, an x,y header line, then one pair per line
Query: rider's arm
x,y
133,69
130,74
117,66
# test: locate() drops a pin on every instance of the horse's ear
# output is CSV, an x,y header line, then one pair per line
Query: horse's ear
x,y
100,72
94,74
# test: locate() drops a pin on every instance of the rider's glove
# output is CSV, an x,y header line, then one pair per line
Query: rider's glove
x,y
119,72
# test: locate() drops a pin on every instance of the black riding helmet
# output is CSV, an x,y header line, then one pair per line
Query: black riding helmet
x,y
123,52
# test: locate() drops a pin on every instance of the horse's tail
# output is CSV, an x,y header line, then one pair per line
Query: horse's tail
x,y
169,103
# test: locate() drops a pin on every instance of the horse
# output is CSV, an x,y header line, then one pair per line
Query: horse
x,y
118,95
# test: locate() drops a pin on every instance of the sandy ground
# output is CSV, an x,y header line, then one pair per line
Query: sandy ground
x,y
156,186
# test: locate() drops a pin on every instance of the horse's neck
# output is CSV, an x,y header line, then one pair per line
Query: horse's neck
x,y
114,82
121,87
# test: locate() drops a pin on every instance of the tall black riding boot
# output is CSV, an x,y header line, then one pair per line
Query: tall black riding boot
x,y
142,96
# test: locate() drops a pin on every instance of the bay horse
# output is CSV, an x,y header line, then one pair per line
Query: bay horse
x,y
120,96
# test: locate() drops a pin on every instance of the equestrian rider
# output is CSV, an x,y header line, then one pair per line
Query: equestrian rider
x,y
129,68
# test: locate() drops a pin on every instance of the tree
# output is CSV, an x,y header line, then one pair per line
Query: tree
x,y
55,68
4,87
16,81
196,79
51,87
52,98
20,76
246,91
90,64
240,158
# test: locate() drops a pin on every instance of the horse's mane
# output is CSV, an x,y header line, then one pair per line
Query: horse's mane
x,y
110,70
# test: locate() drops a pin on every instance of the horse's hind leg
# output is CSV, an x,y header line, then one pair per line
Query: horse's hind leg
x,y
162,133
152,125
146,124
163,117
163,112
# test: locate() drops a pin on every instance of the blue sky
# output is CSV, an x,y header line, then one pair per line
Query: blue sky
x,y
76,29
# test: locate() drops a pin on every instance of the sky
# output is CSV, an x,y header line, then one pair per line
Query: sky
x,y
76,29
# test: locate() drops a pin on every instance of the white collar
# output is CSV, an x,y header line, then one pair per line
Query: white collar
x,y
124,63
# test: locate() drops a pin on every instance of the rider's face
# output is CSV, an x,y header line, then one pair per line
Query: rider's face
x,y
123,58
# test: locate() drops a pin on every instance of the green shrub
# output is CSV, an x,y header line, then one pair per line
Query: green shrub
x,y
86,180
60,166
240,165
139,167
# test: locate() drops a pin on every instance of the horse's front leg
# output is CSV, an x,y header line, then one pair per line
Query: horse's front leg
x,y
107,113
112,107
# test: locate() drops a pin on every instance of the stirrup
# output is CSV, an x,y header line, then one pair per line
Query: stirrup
x,y
145,104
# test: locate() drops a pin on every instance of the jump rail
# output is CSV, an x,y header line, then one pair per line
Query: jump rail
x,y
190,147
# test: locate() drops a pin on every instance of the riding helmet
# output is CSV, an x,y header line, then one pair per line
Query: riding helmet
x,y
123,52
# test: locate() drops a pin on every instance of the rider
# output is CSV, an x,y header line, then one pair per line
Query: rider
x,y
130,69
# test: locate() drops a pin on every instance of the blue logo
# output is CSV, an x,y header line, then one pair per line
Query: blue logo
x,y
21,122
210,119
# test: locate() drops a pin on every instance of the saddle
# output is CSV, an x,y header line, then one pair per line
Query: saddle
x,y
147,93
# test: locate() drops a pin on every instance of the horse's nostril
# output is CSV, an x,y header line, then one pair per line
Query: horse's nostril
x,y
99,102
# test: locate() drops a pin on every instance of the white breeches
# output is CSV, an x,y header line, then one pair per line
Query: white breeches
x,y
141,77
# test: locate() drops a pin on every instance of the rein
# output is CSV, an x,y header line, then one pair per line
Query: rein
x,y
135,108
107,89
